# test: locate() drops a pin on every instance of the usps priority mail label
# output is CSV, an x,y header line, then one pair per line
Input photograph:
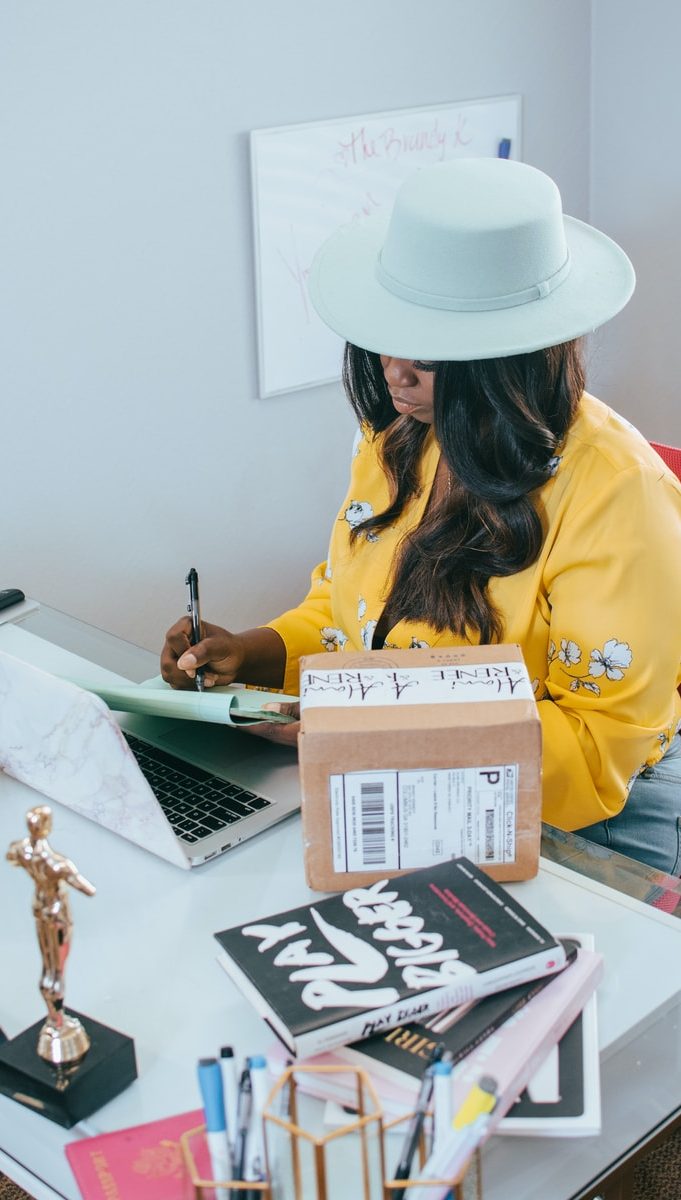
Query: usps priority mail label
x,y
391,820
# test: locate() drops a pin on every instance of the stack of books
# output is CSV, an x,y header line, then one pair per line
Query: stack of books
x,y
439,960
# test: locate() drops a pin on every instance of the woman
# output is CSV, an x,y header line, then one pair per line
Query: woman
x,y
491,498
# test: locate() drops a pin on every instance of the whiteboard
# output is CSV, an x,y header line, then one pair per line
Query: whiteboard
x,y
309,179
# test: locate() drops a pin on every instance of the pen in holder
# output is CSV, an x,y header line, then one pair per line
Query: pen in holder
x,y
304,1165
197,1162
467,1185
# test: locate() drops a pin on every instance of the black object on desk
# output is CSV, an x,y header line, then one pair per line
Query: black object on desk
x,y
10,596
68,1094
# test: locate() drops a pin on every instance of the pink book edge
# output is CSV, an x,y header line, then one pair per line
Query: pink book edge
x,y
142,1162
511,1054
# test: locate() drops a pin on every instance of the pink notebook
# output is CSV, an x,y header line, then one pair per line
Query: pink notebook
x,y
142,1163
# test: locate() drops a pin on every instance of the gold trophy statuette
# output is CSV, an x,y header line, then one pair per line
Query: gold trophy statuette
x,y
62,1039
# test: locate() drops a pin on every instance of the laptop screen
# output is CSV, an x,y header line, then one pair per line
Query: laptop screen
x,y
64,742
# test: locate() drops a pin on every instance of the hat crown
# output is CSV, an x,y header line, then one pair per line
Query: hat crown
x,y
476,234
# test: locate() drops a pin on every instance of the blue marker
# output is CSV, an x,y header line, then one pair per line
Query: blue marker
x,y
504,150
210,1082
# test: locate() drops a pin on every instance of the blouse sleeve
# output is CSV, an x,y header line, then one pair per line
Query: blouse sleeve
x,y
614,583
307,629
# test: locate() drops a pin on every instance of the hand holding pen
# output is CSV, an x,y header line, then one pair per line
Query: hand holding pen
x,y
198,655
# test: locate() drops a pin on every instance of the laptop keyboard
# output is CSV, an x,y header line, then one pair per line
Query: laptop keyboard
x,y
195,802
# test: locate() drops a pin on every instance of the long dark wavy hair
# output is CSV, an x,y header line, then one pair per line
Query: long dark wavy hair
x,y
498,422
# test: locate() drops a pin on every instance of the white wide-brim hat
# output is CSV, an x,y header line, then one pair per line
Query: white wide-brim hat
x,y
477,260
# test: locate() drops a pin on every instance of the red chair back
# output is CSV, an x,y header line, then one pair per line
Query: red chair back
x,y
670,455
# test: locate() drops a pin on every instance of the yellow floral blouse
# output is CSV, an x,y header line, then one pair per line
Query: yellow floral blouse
x,y
597,615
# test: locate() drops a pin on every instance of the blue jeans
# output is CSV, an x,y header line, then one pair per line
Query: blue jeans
x,y
649,826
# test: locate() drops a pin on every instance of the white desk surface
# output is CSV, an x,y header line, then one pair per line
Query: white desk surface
x,y
143,961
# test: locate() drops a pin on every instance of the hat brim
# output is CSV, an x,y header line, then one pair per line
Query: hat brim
x,y
349,299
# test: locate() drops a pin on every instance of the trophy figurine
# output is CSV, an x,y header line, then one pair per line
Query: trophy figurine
x,y
69,1065
62,1038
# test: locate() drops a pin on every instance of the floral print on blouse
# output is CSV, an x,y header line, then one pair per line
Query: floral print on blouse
x,y
596,615
612,661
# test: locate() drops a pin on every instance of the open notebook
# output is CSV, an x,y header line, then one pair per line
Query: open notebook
x,y
185,790
235,705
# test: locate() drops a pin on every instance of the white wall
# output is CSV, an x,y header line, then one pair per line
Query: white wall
x,y
132,441
636,198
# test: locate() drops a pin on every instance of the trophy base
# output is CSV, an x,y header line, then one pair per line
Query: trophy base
x,y
67,1093
65,1045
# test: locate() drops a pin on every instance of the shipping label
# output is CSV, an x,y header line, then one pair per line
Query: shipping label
x,y
391,820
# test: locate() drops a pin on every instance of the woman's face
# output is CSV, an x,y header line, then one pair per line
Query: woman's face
x,y
410,383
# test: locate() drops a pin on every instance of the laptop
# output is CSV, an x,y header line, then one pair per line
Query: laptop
x,y
184,790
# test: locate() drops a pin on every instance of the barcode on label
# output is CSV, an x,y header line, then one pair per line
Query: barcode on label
x,y
489,834
372,799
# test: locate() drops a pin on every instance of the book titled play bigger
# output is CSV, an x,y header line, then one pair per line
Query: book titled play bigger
x,y
385,954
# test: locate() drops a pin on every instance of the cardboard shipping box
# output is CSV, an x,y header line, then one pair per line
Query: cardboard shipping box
x,y
409,757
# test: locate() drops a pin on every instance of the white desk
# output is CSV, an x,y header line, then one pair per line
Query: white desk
x,y
143,960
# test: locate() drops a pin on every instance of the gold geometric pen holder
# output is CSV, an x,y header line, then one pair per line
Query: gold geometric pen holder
x,y
302,1165
467,1186
311,1166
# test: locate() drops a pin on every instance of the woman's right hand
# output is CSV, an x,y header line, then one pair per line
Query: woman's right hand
x,y
219,652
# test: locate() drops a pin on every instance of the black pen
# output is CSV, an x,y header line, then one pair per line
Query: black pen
x,y
411,1139
194,610
243,1121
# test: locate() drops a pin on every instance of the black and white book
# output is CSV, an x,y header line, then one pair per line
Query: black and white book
x,y
386,954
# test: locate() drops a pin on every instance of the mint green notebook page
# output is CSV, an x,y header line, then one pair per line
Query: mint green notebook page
x,y
236,706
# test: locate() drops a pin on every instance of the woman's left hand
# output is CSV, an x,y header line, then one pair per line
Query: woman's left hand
x,y
286,734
